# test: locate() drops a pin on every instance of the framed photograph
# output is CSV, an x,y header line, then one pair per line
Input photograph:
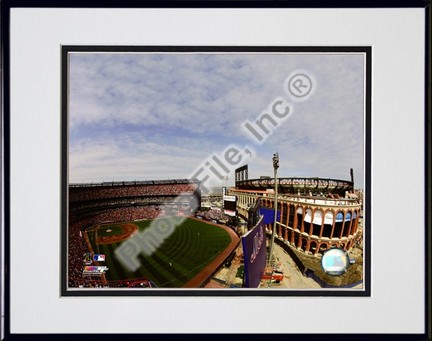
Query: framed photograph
x,y
156,227
251,157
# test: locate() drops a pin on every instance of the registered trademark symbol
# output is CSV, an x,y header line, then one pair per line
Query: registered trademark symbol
x,y
299,85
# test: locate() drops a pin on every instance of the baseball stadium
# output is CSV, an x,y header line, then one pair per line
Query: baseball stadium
x,y
157,194
115,221
104,215
316,214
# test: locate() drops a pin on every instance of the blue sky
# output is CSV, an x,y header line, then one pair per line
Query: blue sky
x,y
139,116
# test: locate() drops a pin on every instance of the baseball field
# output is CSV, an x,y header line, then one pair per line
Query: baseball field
x,y
189,255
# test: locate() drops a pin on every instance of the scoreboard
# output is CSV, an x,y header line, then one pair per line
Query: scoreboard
x,y
230,205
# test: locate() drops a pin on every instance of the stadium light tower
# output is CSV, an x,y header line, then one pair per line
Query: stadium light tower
x,y
275,168
225,181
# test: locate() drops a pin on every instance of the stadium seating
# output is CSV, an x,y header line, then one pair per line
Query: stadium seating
x,y
91,205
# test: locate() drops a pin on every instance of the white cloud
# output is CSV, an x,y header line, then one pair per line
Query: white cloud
x,y
140,116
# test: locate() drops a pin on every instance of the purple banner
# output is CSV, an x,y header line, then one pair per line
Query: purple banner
x,y
254,253
268,214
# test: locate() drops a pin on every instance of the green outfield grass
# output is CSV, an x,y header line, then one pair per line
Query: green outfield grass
x,y
189,249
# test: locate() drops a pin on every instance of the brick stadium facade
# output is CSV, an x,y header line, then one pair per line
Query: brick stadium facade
x,y
316,214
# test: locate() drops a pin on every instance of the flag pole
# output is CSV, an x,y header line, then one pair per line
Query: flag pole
x,y
275,168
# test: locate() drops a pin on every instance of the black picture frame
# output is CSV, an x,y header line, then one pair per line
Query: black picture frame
x,y
6,8
311,51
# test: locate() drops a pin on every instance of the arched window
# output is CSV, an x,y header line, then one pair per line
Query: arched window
x,y
323,247
328,224
313,247
317,222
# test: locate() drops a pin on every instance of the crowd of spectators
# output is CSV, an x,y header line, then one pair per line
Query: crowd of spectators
x,y
213,214
77,245
90,206
129,214
78,194
76,249
94,283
